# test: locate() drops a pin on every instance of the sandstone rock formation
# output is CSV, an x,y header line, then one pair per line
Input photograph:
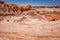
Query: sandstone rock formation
x,y
31,24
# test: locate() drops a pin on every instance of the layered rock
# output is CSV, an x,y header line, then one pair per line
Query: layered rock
x,y
12,8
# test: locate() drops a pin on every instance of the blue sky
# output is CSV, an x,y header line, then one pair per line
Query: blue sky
x,y
35,2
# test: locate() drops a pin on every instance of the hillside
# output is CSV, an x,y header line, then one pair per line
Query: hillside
x,y
28,22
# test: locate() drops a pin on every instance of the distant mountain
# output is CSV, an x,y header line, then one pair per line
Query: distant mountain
x,y
46,6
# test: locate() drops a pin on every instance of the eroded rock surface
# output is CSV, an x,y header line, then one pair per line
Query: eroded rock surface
x,y
27,27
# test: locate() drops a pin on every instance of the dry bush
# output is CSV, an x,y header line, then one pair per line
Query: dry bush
x,y
28,7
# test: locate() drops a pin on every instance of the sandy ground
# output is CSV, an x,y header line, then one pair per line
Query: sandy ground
x,y
29,28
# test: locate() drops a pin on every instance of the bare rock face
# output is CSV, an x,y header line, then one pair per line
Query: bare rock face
x,y
30,25
27,27
9,9
52,17
12,8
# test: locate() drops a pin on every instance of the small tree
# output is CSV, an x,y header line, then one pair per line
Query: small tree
x,y
28,7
